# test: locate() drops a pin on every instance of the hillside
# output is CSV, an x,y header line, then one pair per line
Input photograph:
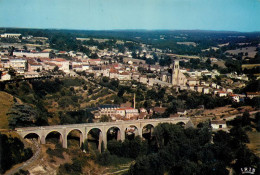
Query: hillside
x,y
6,101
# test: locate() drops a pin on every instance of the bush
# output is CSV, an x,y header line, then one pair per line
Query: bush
x,y
71,168
55,152
106,159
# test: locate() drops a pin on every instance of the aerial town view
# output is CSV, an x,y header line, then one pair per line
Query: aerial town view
x,y
129,87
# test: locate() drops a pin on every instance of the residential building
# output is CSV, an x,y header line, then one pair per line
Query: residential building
x,y
181,112
62,64
252,94
5,76
235,97
10,35
22,53
222,94
218,124
131,113
20,65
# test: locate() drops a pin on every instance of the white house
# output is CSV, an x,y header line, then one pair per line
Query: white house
x,y
131,113
206,90
218,124
21,53
62,64
5,76
143,79
222,94
31,75
10,35
124,76
20,65
235,97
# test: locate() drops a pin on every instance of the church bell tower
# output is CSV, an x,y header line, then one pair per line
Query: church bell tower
x,y
175,72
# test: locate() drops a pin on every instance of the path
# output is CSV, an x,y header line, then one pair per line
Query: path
x,y
234,116
126,168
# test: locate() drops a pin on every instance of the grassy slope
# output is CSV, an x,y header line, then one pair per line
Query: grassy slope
x,y
6,101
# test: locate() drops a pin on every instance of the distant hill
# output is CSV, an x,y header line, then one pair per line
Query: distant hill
x,y
6,102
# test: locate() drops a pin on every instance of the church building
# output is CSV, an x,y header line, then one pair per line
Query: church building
x,y
178,78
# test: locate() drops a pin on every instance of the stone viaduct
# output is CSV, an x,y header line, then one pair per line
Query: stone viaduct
x,y
64,130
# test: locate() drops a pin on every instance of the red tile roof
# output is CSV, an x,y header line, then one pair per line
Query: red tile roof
x,y
113,71
124,73
59,59
253,93
159,109
95,59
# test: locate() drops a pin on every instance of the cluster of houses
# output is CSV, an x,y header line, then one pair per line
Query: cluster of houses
x,y
126,111
34,64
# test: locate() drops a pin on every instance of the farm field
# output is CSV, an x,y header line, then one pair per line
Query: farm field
x,y
250,50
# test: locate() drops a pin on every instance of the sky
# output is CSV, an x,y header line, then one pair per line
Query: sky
x,y
225,15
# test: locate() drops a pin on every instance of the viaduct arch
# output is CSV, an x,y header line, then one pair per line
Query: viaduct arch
x,y
84,129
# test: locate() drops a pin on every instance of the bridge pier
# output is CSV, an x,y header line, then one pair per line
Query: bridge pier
x,y
65,142
100,139
43,139
104,139
140,133
122,133
118,137
65,139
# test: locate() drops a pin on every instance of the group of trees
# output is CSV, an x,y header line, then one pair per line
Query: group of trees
x,y
193,100
246,122
175,150
129,148
191,151
35,95
197,64
78,116
23,115
12,151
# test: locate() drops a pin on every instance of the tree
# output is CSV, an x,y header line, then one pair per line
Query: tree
x,y
56,69
12,72
104,118
208,61
25,47
257,121
22,115
115,147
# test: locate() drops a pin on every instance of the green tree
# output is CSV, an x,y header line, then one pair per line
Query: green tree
x,y
104,118
22,115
